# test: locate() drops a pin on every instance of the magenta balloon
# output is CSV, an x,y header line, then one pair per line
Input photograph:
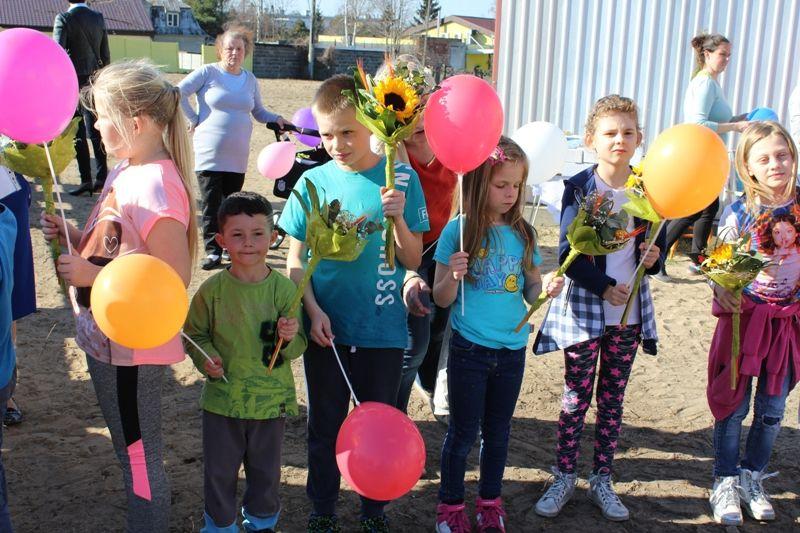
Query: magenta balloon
x,y
39,88
463,122
380,451
276,159
304,118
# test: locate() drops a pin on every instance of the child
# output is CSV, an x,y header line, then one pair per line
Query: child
x,y
358,302
8,233
147,206
766,161
237,316
487,358
585,320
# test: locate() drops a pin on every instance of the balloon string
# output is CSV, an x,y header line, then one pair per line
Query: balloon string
x,y
57,188
344,374
202,351
647,250
461,228
536,209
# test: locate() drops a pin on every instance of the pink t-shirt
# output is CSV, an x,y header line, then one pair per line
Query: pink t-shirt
x,y
133,200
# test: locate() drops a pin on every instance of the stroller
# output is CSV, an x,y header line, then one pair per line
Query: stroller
x,y
305,160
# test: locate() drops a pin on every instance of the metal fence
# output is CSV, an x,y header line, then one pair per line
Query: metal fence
x,y
556,57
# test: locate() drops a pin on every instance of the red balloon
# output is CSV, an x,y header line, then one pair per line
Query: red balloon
x,y
380,451
463,122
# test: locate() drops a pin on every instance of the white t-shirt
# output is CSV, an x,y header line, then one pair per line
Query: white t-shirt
x,y
620,265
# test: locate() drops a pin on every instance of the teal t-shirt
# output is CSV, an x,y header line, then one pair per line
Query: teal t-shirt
x,y
494,302
362,298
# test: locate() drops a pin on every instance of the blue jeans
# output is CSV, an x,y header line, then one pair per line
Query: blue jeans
x,y
425,334
483,385
767,416
5,517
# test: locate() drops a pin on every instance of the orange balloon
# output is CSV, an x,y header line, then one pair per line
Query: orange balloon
x,y
139,301
685,170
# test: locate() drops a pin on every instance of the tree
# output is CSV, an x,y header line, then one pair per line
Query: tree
x,y
210,14
353,13
392,21
424,10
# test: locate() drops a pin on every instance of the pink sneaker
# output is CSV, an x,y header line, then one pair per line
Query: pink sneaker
x,y
490,515
452,519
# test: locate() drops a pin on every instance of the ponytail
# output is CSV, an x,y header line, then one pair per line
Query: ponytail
x,y
702,43
176,140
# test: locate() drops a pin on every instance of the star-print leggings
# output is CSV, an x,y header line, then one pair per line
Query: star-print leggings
x,y
616,350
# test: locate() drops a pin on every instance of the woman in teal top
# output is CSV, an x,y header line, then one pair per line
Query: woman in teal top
x,y
705,104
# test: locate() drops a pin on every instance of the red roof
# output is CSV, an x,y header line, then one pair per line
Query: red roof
x,y
486,24
122,16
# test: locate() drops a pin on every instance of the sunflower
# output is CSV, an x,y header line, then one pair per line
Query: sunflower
x,y
721,253
397,95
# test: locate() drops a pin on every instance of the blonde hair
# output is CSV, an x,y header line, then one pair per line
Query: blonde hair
x,y
613,103
702,43
329,99
478,224
133,88
234,31
755,132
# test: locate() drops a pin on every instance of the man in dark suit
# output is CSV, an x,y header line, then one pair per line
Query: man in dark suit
x,y
82,33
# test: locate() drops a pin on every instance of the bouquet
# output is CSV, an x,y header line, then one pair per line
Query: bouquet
x,y
31,160
733,266
596,230
639,206
331,233
389,108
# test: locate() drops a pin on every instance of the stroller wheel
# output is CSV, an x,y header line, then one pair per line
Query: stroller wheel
x,y
281,234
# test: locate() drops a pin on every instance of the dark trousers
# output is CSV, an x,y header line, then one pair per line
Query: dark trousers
x,y
215,186
375,376
425,334
483,385
87,131
703,222
5,517
227,444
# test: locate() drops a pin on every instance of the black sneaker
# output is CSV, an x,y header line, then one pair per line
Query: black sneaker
x,y
211,261
13,416
376,524
323,523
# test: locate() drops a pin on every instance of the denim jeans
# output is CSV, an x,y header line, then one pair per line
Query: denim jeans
x,y
767,416
425,335
483,385
5,517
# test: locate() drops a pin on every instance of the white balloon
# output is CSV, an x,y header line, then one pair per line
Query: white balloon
x,y
546,147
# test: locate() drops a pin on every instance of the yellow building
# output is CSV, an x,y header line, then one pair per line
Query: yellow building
x,y
476,33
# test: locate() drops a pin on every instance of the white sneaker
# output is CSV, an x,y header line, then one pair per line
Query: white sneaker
x,y
602,495
559,493
725,503
755,500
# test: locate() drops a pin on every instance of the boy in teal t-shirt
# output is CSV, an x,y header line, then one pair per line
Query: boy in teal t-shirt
x,y
357,304
236,317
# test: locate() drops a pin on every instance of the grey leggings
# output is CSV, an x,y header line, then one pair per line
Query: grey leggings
x,y
130,399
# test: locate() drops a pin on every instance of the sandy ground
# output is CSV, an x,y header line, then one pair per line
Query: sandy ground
x,y
63,475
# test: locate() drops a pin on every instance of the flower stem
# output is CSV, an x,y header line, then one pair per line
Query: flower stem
x,y
50,209
640,272
296,299
543,297
735,325
391,151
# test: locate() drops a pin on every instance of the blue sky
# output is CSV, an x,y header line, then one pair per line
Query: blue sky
x,y
474,8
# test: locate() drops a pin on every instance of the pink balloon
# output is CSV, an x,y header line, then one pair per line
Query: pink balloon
x,y
303,118
276,159
463,122
39,88
380,451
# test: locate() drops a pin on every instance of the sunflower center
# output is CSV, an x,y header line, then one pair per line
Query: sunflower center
x,y
395,100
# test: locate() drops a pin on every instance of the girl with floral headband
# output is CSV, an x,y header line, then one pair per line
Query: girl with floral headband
x,y
499,266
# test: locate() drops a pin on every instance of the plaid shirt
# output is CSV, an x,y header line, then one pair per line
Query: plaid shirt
x,y
576,315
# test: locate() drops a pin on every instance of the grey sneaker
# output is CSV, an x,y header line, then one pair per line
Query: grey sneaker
x,y
559,493
725,503
603,496
753,498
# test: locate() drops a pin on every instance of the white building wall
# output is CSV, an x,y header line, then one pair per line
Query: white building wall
x,y
556,57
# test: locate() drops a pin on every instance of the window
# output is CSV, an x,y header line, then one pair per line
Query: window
x,y
173,18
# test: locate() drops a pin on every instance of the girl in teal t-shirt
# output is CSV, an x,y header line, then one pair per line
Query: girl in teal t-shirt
x,y
487,358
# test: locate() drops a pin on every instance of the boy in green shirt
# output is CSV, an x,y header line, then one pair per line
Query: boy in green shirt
x,y
237,317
